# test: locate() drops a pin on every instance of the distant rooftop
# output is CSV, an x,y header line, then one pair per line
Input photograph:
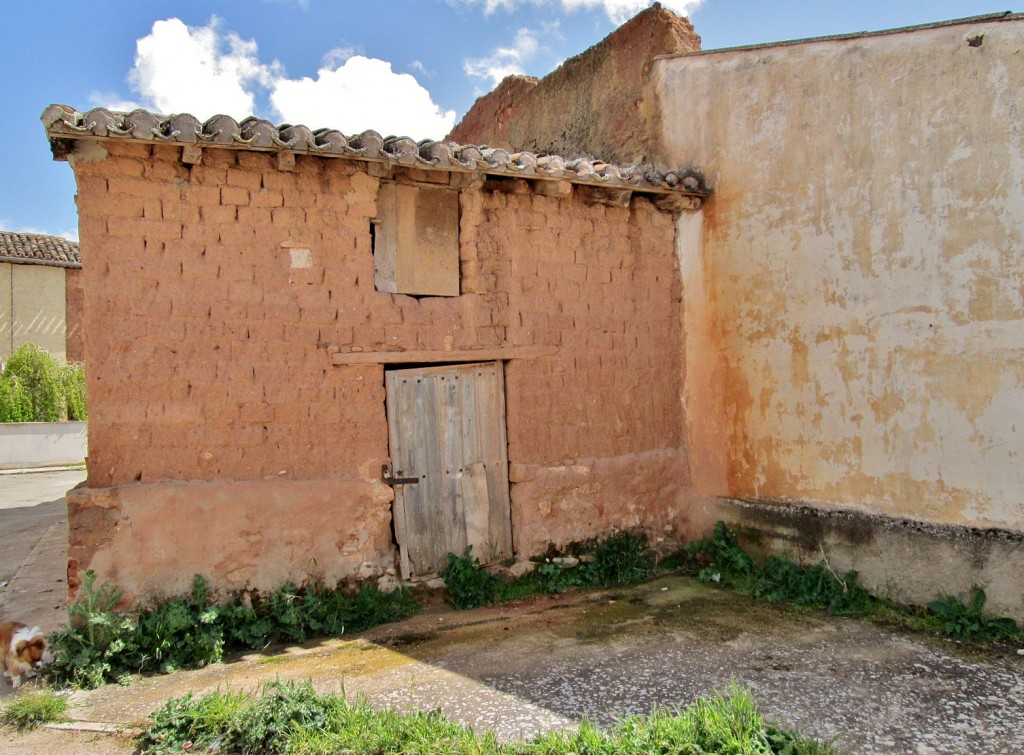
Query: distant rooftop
x,y
38,249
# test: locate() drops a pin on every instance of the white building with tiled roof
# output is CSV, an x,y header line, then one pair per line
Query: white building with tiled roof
x,y
40,294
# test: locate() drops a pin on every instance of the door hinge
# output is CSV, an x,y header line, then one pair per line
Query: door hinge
x,y
389,479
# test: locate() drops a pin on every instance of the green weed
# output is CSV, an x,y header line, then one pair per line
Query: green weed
x,y
969,621
720,722
90,649
720,559
621,558
467,583
30,709
100,645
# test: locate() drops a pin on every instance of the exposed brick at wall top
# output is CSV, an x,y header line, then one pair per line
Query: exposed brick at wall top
x,y
204,344
598,103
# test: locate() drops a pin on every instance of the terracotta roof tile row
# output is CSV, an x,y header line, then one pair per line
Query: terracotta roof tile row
x,y
63,122
39,249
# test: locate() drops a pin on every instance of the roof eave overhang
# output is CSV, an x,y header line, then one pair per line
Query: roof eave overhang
x,y
65,127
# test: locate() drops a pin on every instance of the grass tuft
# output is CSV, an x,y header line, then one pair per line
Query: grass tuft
x,y
31,709
291,717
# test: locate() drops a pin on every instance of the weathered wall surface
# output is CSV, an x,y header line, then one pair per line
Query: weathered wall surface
x,y
597,103
6,313
223,441
74,301
31,307
908,561
862,261
150,539
594,433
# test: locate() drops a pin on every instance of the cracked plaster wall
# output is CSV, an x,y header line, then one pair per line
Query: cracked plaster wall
x,y
853,323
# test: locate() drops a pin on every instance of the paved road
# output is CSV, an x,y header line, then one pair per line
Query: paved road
x,y
28,489
33,548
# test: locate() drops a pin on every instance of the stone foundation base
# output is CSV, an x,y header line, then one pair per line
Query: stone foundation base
x,y
150,540
906,561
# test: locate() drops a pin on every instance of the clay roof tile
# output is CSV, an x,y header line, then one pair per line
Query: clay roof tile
x,y
65,124
39,249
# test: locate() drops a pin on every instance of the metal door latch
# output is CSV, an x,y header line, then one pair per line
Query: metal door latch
x,y
387,475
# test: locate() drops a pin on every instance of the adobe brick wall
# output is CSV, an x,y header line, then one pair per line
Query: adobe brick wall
x,y
219,427
601,102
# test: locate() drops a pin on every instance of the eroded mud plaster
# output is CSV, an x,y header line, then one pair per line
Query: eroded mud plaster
x,y
226,441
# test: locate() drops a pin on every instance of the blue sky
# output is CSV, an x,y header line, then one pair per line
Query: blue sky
x,y
332,63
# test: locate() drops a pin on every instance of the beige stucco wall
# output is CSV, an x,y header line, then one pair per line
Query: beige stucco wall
x,y
853,320
6,313
32,307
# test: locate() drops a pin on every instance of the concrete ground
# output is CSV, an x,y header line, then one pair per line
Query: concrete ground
x,y
550,662
33,555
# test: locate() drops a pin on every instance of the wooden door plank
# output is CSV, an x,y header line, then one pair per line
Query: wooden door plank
x,y
474,483
396,409
450,423
491,400
428,517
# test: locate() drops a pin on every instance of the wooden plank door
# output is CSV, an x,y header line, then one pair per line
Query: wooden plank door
x,y
447,430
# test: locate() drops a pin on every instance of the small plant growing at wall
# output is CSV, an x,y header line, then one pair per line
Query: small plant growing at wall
x,y
467,583
968,621
100,645
621,558
36,387
720,559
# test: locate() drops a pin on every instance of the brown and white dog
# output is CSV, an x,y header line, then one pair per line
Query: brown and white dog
x,y
22,651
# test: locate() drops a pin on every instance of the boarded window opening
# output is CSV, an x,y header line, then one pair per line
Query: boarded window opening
x,y
415,239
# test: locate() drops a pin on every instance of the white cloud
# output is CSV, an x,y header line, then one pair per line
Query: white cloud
x,y
71,233
362,93
620,11
337,56
204,71
198,70
505,61
112,101
617,10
